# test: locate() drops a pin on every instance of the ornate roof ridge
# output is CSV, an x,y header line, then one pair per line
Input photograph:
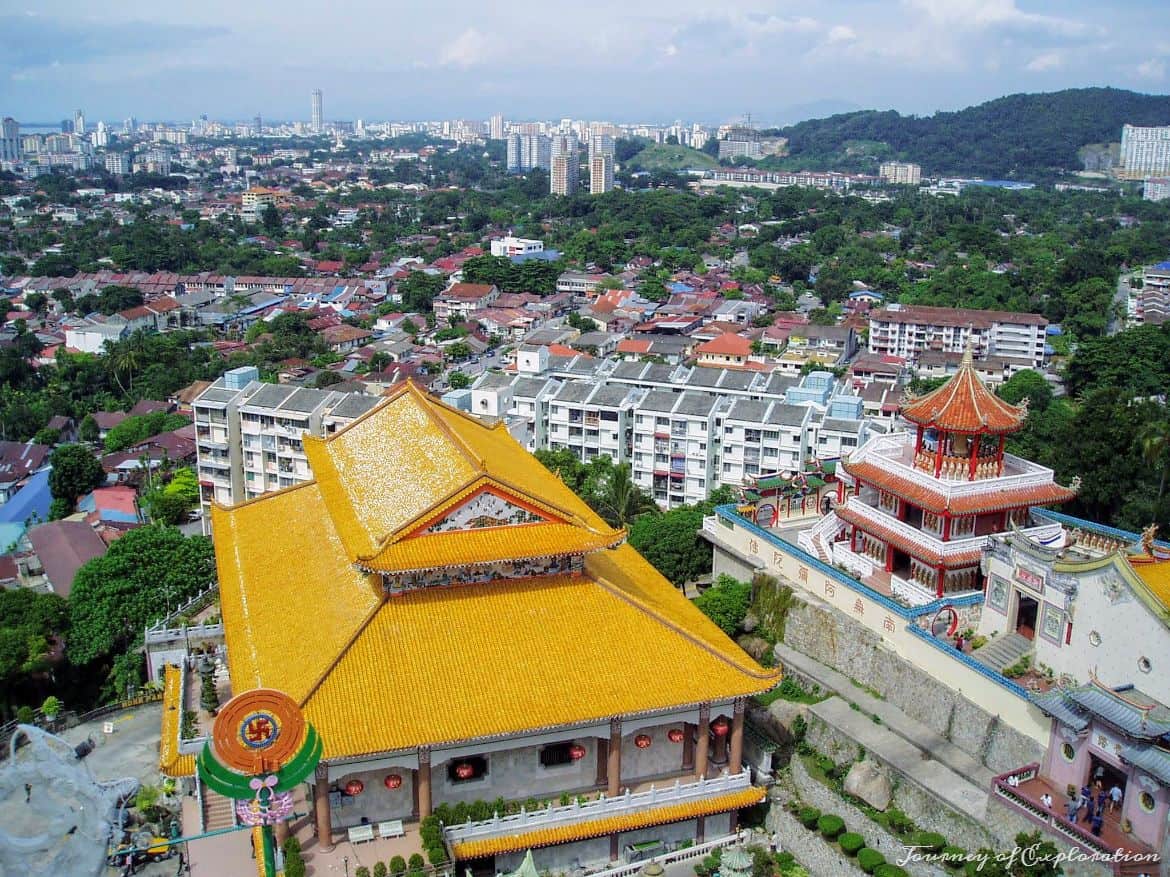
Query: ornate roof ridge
x,y
947,406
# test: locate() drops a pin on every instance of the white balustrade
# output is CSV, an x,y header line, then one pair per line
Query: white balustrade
x,y
630,802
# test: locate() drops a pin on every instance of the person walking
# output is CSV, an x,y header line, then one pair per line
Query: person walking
x,y
1095,825
1114,798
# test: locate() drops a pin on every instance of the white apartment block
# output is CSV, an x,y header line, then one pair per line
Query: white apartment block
x,y
249,434
900,173
674,445
761,437
592,420
600,173
1156,189
1145,152
907,330
512,246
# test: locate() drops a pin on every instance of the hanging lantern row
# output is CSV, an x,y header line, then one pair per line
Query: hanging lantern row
x,y
354,788
392,781
675,735
464,771
576,752
643,741
720,727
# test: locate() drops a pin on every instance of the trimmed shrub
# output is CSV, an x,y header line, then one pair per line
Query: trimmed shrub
x,y
929,841
397,866
362,871
808,817
868,860
954,858
380,869
417,862
437,854
851,842
830,825
888,870
898,821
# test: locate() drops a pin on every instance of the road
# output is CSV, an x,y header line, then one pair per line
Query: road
x,y
1120,305
472,369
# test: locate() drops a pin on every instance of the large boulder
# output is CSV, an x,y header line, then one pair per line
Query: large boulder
x,y
870,783
754,646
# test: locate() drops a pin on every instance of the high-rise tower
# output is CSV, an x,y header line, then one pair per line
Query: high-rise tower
x,y
316,121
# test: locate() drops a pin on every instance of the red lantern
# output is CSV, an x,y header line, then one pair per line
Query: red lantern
x,y
393,781
675,735
464,771
643,741
354,788
576,752
720,727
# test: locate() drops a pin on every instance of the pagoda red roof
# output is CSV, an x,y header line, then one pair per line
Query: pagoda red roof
x,y
964,404
995,499
903,543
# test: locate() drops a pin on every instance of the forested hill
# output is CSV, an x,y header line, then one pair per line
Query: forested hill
x,y
1021,136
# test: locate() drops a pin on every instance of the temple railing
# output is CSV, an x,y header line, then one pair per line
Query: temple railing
x,y
570,814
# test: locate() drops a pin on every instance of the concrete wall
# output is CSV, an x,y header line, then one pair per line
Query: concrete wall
x,y
376,803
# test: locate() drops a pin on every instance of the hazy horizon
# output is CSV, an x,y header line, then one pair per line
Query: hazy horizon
x,y
655,62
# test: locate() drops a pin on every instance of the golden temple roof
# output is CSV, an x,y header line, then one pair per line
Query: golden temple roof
x,y
170,761
1155,572
543,837
377,672
964,404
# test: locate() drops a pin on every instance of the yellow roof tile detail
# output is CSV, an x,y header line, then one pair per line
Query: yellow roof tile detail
x,y
289,596
543,837
170,762
487,545
498,658
1155,572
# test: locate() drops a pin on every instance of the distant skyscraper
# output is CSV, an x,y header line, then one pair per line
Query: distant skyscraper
x,y
528,151
497,127
1145,152
601,162
101,136
118,163
565,165
10,140
900,173
317,119
259,123
67,126
79,122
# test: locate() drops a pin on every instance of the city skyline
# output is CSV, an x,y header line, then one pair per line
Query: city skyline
x,y
658,63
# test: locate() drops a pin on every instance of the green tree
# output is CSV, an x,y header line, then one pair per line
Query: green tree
x,y
146,572
458,380
619,500
88,431
270,219
134,430
1155,445
726,603
1027,383
671,543
76,471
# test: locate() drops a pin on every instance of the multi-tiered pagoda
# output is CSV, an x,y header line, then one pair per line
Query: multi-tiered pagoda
x,y
922,503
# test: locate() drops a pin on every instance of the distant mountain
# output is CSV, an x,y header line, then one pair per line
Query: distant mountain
x,y
1020,136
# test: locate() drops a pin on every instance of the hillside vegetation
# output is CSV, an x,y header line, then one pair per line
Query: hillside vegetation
x,y
1021,136
664,157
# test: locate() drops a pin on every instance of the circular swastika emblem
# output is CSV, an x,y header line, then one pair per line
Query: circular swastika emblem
x,y
258,731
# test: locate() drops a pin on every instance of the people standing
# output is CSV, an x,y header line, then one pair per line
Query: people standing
x,y
1114,798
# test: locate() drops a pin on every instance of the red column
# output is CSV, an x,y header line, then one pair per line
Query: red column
x,y
946,526
918,442
974,457
938,455
999,456
840,492
942,575
853,540
889,557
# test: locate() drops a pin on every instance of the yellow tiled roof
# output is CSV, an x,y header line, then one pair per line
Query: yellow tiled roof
x,y
488,545
1155,573
497,658
170,762
543,837
289,596
408,455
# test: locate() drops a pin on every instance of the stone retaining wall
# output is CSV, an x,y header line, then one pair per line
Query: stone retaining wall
x,y
816,795
836,640
1006,823
817,855
930,812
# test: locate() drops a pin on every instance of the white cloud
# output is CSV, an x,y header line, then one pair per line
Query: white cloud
x,y
1045,62
841,34
670,51
466,50
968,15
1152,68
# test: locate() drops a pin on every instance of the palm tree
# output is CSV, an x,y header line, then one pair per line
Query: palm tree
x,y
620,500
1155,442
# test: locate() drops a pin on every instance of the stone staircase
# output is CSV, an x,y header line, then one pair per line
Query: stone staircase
x,y
217,811
1003,651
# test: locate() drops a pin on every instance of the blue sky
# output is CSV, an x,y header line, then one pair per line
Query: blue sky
x,y
651,60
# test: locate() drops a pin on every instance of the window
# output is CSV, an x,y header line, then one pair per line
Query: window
x,y
1144,664
1067,752
1146,802
557,754
1094,638
457,771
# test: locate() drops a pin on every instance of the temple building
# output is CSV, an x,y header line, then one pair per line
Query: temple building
x,y
915,508
459,627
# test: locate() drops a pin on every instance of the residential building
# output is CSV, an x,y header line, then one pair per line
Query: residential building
x,y
513,246
1145,152
741,142
579,283
90,336
496,127
592,420
118,163
10,149
59,550
18,461
255,200
566,165
412,498
905,330
249,434
1153,299
317,111
461,300
526,152
601,164
1156,189
674,445
900,173
728,350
